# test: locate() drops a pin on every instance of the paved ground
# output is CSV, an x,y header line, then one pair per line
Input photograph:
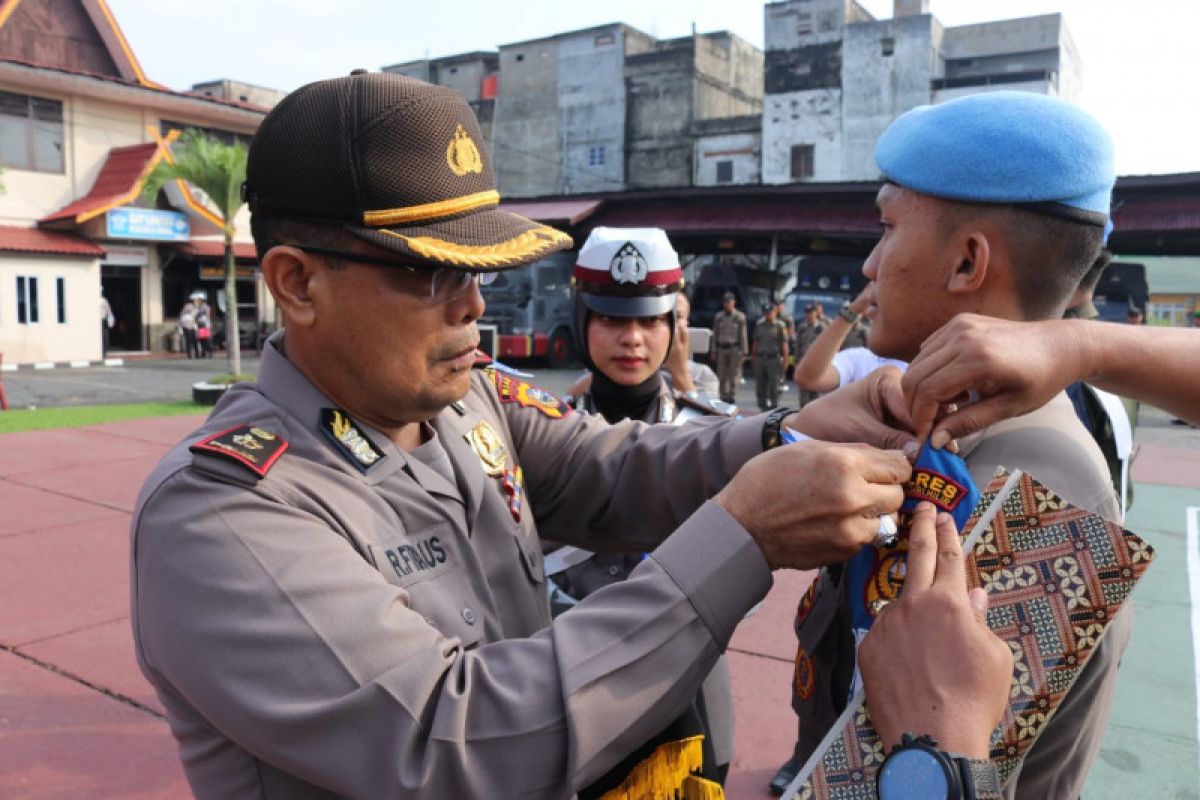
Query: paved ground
x,y
77,719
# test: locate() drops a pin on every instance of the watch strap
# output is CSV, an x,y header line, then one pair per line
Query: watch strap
x,y
845,313
980,780
771,434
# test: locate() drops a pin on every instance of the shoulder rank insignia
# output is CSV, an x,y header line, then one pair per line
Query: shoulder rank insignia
x,y
511,390
488,445
339,429
247,445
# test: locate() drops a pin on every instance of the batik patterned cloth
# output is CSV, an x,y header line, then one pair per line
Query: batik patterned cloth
x,y
1055,576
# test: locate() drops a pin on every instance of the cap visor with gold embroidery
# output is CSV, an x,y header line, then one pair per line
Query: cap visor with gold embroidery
x,y
397,162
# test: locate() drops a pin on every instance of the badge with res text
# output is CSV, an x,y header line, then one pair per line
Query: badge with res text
x,y
248,445
488,445
514,489
353,443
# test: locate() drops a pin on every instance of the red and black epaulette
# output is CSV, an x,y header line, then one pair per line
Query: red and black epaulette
x,y
482,359
253,447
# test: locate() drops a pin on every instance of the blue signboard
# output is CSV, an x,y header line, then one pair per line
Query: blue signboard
x,y
148,223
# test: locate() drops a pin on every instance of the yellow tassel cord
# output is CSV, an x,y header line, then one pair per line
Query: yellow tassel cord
x,y
666,775
697,788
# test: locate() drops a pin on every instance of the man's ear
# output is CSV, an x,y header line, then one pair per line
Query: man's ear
x,y
289,273
975,259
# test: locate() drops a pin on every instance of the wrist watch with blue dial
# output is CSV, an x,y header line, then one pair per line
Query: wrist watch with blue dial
x,y
917,770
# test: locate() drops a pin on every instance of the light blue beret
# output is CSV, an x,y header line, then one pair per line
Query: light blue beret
x,y
1002,147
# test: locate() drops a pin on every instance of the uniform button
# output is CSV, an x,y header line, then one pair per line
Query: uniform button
x,y
614,571
468,616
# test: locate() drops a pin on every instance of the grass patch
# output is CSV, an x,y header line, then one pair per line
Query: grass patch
x,y
229,379
39,419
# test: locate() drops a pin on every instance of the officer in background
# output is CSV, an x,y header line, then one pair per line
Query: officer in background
x,y
812,327
770,351
787,319
627,284
729,346
337,581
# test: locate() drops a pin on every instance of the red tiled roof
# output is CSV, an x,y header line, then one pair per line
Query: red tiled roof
x,y
35,240
215,249
118,182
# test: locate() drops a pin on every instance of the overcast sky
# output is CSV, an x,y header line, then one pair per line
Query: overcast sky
x,y
1140,61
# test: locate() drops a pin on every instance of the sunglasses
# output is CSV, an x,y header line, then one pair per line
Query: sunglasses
x,y
445,283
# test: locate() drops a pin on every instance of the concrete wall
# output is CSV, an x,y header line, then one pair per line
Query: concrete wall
x,y
559,98
660,95
807,117
591,108
526,149
744,150
876,88
48,340
729,75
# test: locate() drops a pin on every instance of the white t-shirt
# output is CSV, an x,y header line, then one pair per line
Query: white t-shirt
x,y
855,363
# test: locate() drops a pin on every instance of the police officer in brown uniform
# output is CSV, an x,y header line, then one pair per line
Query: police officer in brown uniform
x,y
770,352
812,327
729,346
337,583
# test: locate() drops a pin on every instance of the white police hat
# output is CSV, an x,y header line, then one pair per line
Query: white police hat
x,y
628,272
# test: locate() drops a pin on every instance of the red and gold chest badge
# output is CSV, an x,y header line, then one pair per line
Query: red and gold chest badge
x,y
249,445
488,445
526,395
806,603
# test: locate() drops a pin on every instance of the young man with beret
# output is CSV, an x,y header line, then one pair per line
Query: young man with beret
x,y
337,582
993,204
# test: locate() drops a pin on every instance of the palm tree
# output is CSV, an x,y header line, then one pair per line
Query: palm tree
x,y
217,169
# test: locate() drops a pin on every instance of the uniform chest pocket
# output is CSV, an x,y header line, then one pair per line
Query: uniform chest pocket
x,y
429,565
419,556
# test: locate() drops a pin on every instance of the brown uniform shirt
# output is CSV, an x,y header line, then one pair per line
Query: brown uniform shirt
x,y
1052,446
337,629
729,330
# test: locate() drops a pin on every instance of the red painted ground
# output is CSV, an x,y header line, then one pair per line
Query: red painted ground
x,y
65,499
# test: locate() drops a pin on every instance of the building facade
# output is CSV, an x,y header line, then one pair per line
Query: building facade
x,y
836,77
80,128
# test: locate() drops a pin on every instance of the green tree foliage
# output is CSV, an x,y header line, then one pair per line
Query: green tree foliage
x,y
218,170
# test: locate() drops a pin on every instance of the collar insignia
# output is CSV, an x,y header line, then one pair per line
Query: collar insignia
x,y
357,446
462,155
248,445
628,265
488,445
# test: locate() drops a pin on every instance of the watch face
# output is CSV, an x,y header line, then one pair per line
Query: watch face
x,y
916,774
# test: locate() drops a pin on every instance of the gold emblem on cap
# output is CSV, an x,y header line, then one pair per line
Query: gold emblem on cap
x,y
462,155
490,448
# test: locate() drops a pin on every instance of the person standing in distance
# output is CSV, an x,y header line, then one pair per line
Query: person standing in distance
x,y
729,346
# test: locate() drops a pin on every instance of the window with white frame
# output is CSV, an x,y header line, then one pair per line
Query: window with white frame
x,y
31,133
27,299
596,156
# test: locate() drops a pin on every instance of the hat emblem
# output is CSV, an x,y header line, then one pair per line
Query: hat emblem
x,y
461,154
628,265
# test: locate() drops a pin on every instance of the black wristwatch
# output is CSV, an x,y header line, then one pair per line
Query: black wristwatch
x,y
771,435
917,770
846,313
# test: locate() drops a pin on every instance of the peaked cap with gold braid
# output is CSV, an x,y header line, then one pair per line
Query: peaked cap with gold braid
x,y
397,162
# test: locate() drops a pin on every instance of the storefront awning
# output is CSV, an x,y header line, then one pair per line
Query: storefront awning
x,y
119,183
568,212
215,249
34,240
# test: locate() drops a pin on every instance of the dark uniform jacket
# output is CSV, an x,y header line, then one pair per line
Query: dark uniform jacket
x,y
349,620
